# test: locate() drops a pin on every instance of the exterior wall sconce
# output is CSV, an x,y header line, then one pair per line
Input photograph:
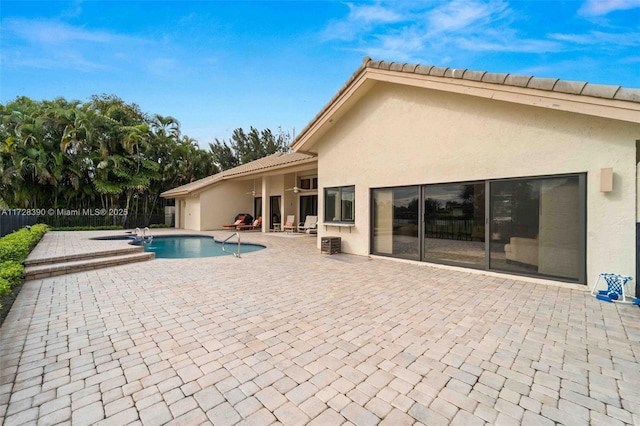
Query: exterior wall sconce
x,y
606,179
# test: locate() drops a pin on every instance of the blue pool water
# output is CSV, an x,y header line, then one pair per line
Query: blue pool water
x,y
187,246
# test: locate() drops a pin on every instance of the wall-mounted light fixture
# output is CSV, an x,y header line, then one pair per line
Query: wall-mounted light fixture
x,y
606,179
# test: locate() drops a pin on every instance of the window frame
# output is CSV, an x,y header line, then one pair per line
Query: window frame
x,y
339,214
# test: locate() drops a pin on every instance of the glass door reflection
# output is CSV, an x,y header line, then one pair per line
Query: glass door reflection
x,y
454,218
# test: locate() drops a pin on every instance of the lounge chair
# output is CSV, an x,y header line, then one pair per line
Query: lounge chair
x,y
239,221
255,225
289,225
310,223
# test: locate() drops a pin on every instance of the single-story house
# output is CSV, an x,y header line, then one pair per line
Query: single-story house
x,y
272,187
507,173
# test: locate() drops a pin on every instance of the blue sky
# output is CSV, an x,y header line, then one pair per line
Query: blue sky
x,y
220,65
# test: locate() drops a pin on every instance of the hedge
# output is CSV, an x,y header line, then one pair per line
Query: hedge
x,y
14,249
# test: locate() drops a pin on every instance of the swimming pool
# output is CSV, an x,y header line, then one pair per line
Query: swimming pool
x,y
187,246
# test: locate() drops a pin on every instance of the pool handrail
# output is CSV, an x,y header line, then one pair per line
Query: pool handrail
x,y
237,234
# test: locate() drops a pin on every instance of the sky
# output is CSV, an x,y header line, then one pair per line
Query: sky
x,y
220,65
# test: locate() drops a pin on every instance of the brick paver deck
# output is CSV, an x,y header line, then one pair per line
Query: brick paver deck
x,y
287,335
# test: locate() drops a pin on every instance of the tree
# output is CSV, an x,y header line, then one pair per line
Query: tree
x,y
246,147
73,155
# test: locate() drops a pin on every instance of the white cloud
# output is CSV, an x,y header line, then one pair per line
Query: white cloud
x,y
600,38
361,19
464,15
403,31
53,32
457,31
506,44
373,14
42,43
603,7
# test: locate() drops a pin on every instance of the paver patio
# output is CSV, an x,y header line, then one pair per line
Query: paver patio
x,y
292,336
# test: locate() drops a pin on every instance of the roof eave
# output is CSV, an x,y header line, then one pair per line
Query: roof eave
x,y
224,176
612,102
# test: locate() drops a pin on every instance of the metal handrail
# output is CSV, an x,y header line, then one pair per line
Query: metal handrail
x,y
147,239
236,234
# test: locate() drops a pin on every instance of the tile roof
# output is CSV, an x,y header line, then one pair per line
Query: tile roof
x,y
270,162
603,91
550,84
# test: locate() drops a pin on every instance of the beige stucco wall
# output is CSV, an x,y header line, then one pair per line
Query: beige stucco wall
x,y
216,206
290,199
192,213
220,204
399,135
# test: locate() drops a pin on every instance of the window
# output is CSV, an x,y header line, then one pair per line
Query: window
x,y
309,183
339,204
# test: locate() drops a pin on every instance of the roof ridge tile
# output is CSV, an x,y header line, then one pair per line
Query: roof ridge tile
x,y
542,83
438,71
385,65
409,68
627,94
474,75
518,80
495,77
423,69
600,90
569,86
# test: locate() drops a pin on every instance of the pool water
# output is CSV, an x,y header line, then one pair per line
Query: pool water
x,y
187,246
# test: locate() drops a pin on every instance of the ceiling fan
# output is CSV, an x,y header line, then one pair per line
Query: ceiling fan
x,y
252,193
296,188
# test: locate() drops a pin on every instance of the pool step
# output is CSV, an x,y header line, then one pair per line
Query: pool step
x,y
84,256
45,270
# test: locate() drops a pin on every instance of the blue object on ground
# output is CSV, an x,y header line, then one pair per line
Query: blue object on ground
x,y
615,291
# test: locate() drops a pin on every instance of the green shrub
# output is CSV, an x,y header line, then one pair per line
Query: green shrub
x,y
5,288
17,245
14,249
12,272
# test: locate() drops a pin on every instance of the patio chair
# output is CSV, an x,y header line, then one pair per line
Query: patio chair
x,y
289,225
310,222
615,291
239,221
255,225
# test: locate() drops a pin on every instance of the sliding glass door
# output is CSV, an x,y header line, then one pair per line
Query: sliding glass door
x,y
536,226
395,222
308,206
454,229
530,226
